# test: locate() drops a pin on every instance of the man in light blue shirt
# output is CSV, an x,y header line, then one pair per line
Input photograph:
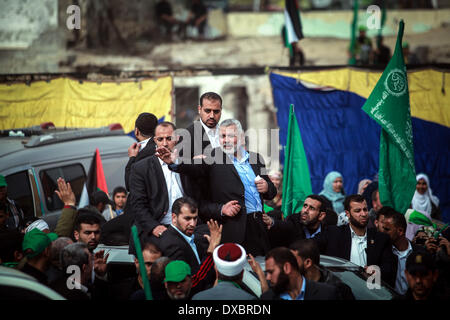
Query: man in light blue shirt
x,y
247,175
237,182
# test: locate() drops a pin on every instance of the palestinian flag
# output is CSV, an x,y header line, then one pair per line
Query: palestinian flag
x,y
95,180
293,23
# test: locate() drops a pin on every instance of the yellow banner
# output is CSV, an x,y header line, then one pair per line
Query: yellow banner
x,y
428,89
69,103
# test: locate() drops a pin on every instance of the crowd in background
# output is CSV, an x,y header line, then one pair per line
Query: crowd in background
x,y
203,213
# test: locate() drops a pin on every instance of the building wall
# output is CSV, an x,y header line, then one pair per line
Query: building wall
x,y
335,24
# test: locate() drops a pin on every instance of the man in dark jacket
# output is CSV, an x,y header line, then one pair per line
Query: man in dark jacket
x,y
361,245
422,275
76,262
36,248
238,184
201,136
308,258
288,282
145,147
306,224
154,188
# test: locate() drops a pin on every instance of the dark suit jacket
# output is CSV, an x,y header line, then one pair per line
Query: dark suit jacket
x,y
196,143
148,193
148,151
225,185
60,286
284,232
174,246
337,242
313,291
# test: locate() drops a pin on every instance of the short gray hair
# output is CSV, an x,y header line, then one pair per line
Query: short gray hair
x,y
57,246
74,254
157,270
232,122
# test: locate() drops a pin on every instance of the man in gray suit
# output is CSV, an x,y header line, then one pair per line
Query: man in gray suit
x,y
229,259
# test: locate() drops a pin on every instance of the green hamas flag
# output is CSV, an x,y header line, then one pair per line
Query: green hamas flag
x,y
388,105
352,59
296,180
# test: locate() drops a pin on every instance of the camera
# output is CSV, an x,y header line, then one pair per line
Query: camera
x,y
421,241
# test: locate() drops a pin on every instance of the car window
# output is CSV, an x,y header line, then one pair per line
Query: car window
x,y
358,283
20,191
74,174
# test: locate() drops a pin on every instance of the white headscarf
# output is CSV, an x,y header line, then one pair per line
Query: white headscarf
x,y
422,202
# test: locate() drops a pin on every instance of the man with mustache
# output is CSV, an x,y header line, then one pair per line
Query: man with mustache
x,y
238,184
201,137
204,133
361,245
288,280
154,188
184,240
422,276
306,224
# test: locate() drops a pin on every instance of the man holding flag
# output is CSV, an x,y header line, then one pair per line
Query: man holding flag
x,y
292,32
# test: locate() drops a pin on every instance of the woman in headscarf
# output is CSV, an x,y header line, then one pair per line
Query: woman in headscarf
x,y
363,185
333,190
423,199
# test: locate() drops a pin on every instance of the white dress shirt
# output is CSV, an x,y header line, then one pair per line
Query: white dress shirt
x,y
401,285
142,144
213,135
174,190
358,253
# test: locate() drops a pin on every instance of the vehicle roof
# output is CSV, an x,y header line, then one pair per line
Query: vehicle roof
x,y
13,152
326,261
15,278
329,261
11,272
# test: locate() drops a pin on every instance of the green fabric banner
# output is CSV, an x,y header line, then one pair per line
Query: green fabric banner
x,y
388,105
352,59
296,179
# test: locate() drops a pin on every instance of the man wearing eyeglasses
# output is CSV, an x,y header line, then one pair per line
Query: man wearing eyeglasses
x,y
154,188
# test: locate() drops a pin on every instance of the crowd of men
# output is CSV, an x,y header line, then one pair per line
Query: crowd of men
x,y
198,203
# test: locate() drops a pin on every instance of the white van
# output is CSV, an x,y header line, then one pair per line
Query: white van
x,y
33,163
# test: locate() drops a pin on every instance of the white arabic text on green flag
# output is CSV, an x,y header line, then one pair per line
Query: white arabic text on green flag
x,y
388,105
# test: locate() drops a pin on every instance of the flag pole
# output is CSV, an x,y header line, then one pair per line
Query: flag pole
x,y
142,269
